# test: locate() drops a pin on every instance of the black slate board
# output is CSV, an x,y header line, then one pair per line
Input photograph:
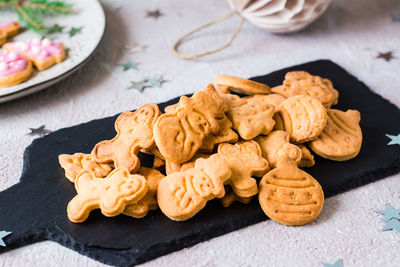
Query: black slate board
x,y
35,208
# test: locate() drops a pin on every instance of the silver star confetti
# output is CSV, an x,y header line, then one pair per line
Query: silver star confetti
x,y
41,131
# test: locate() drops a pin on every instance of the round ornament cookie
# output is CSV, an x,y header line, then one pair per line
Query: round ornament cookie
x,y
289,195
242,86
304,118
14,68
303,83
342,137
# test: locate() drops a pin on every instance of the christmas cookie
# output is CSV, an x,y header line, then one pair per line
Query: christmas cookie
x,y
134,131
242,86
231,197
10,28
149,201
342,137
182,195
303,83
43,53
74,164
289,195
304,117
307,159
14,68
110,194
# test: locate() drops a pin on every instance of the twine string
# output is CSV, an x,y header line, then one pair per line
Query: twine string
x,y
180,40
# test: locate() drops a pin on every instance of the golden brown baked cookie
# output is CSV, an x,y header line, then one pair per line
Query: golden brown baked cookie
x,y
304,118
289,195
134,131
341,138
149,201
183,194
245,160
271,144
158,163
231,197
110,194
303,83
10,29
74,164
180,134
307,159
14,68
250,117
171,167
242,86
272,99
224,135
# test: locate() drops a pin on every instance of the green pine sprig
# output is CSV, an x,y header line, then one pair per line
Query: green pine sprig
x,y
32,13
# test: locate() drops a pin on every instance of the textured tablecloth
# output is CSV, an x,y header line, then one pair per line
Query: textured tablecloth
x,y
351,33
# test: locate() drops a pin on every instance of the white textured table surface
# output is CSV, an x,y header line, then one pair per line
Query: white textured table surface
x,y
351,33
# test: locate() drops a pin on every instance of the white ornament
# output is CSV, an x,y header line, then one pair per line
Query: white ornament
x,y
280,15
3,66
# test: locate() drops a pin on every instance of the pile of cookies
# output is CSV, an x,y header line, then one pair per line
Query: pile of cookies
x,y
17,58
213,145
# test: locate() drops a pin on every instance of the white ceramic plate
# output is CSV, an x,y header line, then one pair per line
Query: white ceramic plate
x,y
89,15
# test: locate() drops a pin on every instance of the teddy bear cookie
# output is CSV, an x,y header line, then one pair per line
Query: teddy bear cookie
x,y
303,83
341,139
43,53
304,117
250,117
242,86
74,164
245,160
149,201
182,195
180,132
111,194
134,131
8,29
14,68
289,195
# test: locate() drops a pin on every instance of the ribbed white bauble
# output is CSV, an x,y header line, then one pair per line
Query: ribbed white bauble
x,y
280,16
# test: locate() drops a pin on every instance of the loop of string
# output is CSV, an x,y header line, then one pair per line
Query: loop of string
x,y
180,40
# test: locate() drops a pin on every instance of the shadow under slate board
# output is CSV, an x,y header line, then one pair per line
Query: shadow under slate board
x,y
35,208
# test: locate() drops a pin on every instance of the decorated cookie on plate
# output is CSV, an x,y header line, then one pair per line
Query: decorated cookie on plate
x,y
43,53
14,68
8,29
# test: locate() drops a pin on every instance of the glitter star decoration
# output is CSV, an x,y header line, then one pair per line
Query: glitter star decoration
x,y
392,224
41,131
154,14
156,81
338,263
130,65
73,31
135,48
395,139
2,235
390,213
386,56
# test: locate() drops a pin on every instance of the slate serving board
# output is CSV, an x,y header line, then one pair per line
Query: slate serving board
x,y
35,208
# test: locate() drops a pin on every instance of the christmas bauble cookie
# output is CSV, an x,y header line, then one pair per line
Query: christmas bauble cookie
x,y
14,68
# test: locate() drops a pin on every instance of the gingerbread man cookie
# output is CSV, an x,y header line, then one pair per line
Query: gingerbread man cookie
x,y
303,83
180,134
289,195
43,53
74,164
242,86
245,160
250,117
341,138
110,194
182,195
14,68
149,201
304,118
134,131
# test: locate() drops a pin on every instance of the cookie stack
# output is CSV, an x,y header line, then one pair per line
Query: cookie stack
x,y
17,58
214,145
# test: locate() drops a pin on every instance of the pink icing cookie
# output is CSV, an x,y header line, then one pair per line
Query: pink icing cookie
x,y
43,53
14,68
